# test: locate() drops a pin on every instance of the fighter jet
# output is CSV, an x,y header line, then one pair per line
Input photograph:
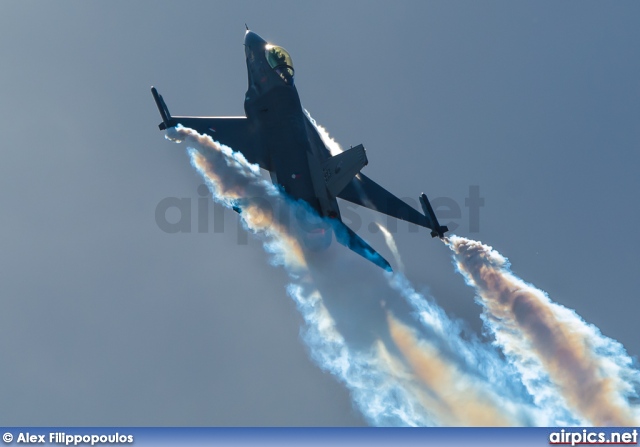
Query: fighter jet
x,y
277,135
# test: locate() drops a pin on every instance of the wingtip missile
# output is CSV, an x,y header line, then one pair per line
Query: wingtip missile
x,y
436,228
162,108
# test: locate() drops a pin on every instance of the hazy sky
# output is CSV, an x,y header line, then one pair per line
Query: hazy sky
x,y
108,320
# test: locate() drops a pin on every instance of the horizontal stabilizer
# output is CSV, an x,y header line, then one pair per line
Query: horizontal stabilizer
x,y
347,237
340,169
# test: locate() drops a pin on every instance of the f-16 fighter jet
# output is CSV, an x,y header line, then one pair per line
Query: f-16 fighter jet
x,y
278,135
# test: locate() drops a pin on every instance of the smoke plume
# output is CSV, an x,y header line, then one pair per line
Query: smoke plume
x,y
404,361
573,359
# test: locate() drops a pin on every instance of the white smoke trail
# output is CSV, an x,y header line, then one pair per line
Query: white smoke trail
x,y
456,397
391,243
388,391
480,364
382,399
397,375
556,351
451,389
472,361
476,359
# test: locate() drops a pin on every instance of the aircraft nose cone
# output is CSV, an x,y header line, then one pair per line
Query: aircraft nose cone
x,y
251,39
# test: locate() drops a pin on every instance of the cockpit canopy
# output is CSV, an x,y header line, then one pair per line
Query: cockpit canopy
x,y
280,61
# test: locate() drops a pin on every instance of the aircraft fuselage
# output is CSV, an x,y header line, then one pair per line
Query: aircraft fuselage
x,y
294,148
278,135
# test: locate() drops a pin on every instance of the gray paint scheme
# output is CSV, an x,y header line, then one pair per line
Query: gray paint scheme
x,y
277,135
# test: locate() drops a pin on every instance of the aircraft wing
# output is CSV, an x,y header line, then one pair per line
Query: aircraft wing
x,y
365,192
232,131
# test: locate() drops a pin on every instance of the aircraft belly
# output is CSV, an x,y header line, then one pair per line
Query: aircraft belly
x,y
295,177
288,150
283,127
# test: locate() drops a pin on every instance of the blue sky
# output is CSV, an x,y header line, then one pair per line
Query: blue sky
x,y
537,103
